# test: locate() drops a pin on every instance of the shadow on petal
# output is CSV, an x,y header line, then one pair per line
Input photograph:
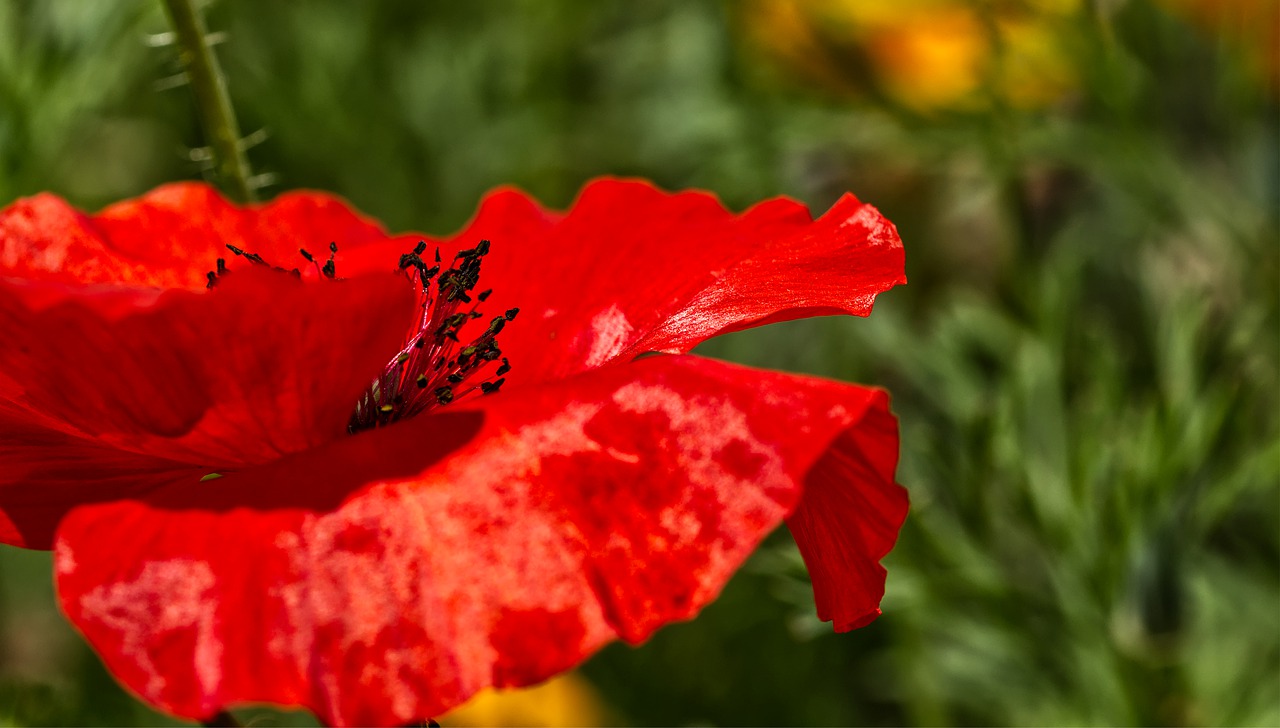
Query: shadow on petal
x,y
320,480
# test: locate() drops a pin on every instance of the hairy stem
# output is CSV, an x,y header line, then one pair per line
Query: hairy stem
x,y
212,101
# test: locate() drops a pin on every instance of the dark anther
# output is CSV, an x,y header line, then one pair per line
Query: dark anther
x,y
330,269
213,279
491,387
437,255
444,395
310,258
456,377
421,381
222,266
251,257
495,326
420,248
510,315
506,367
421,342
466,353
457,319
483,295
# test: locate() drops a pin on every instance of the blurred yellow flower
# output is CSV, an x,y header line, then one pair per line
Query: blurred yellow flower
x,y
932,60
564,700
924,54
956,54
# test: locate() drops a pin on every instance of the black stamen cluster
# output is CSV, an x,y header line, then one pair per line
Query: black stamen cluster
x,y
434,363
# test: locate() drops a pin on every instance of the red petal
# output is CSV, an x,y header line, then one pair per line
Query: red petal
x,y
93,383
44,473
390,576
631,269
171,236
43,238
844,531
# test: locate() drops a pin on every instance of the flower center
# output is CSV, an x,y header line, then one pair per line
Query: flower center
x,y
433,367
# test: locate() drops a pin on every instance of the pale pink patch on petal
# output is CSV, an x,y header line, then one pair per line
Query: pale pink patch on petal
x,y
168,599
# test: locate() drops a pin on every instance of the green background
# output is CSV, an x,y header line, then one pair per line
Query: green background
x,y
1084,364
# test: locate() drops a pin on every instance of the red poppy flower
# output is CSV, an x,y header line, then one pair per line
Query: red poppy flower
x,y
244,508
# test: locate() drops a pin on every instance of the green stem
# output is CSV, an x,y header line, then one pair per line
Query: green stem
x,y
212,101
221,719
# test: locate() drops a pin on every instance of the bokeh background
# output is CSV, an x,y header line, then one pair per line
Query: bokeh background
x,y
1085,362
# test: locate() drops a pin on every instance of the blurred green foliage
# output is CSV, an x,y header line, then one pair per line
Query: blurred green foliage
x,y
1085,363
